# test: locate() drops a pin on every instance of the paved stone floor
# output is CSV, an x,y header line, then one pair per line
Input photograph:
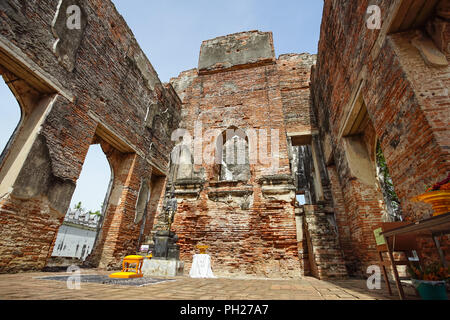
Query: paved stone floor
x,y
26,286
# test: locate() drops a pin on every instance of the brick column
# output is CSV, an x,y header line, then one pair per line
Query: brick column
x,y
119,234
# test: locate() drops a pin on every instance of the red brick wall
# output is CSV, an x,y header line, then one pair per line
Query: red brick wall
x,y
342,220
260,241
112,85
33,221
407,102
295,75
410,114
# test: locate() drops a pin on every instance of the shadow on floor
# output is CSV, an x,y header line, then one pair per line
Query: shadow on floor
x,y
360,286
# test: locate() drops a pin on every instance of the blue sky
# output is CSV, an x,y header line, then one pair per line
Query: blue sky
x,y
170,32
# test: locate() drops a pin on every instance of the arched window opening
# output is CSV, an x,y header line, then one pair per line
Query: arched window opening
x,y
233,155
84,217
387,187
10,119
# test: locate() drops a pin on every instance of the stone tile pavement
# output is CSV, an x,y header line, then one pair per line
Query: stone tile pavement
x,y
25,286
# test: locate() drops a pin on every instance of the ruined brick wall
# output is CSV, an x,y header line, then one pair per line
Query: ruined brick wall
x,y
407,104
102,88
295,76
249,225
342,220
324,249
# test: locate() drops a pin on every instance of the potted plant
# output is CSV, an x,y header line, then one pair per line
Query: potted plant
x,y
430,281
438,196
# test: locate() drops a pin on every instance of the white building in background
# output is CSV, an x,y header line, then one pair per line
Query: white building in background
x,y
76,237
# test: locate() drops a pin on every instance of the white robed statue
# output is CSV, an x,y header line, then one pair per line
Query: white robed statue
x,y
201,265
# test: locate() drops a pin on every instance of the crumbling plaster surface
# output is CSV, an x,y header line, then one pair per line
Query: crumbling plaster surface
x,y
236,50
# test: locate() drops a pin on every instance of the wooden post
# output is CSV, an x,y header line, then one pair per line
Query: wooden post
x,y
394,267
439,249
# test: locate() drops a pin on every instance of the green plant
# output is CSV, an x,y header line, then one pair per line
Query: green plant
x,y
387,183
78,206
96,213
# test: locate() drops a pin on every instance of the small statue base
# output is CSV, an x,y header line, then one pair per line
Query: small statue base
x,y
166,256
163,268
164,246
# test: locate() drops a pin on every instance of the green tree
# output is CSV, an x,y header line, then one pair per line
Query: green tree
x,y
96,213
387,186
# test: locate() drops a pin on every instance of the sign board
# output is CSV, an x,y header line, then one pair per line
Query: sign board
x,y
379,237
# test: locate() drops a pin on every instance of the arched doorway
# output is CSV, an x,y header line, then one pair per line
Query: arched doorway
x,y
10,119
77,236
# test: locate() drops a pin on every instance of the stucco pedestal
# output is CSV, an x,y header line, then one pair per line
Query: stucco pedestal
x,y
162,268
